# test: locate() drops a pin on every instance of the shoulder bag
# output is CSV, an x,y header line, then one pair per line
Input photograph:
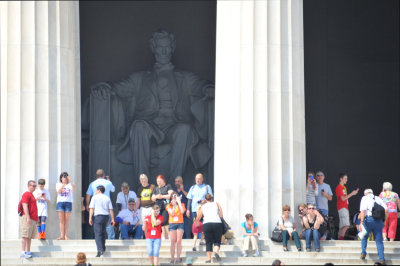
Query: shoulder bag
x,y
276,234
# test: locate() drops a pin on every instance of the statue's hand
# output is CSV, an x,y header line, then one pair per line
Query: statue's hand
x,y
209,91
102,90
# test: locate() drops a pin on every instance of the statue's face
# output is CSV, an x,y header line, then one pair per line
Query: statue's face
x,y
163,51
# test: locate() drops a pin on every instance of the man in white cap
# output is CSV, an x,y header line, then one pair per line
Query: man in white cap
x,y
372,222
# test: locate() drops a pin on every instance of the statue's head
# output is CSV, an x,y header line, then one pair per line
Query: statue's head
x,y
162,45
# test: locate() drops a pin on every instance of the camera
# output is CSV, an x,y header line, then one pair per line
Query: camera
x,y
199,201
322,190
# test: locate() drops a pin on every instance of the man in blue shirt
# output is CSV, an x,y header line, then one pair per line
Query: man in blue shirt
x,y
197,194
101,180
324,194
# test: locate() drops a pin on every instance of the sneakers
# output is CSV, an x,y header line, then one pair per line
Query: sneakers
x,y
317,250
256,254
26,255
385,239
308,249
217,257
244,254
202,243
194,248
42,236
362,257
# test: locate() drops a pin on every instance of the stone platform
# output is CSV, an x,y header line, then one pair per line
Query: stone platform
x,y
133,252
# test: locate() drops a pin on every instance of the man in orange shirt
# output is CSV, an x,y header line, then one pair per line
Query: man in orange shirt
x,y
343,205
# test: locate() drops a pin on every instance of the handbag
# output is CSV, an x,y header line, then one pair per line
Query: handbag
x,y
276,235
225,226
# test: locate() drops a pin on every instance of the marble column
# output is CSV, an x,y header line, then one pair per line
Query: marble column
x,y
259,110
40,106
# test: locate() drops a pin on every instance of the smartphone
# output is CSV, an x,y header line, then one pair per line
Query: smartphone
x,y
311,177
322,190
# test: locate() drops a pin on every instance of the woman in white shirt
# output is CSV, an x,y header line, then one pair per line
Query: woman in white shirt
x,y
212,226
64,203
288,226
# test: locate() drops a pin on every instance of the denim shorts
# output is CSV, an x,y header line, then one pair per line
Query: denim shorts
x,y
153,247
64,206
42,219
173,227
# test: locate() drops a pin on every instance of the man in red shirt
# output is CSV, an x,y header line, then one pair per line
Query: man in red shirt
x,y
343,205
29,219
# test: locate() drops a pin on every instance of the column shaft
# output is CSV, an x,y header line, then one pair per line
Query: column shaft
x,y
259,123
40,101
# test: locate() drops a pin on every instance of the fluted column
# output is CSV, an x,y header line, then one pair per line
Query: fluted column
x,y
259,110
40,105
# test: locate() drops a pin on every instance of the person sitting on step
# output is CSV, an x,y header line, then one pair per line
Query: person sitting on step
x,y
250,236
288,226
129,220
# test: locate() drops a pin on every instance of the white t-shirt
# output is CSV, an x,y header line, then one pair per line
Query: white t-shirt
x,y
101,204
210,213
129,216
42,203
124,199
367,203
66,193
287,224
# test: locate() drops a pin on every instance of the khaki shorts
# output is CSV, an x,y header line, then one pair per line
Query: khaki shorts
x,y
344,217
28,231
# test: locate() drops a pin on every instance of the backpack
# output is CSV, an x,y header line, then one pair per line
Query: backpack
x,y
20,209
324,225
378,212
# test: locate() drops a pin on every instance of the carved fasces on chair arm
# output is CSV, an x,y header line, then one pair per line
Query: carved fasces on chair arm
x,y
101,90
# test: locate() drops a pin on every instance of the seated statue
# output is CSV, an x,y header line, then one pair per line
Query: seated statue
x,y
155,115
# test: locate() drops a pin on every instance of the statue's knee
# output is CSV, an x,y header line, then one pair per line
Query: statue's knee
x,y
138,127
183,128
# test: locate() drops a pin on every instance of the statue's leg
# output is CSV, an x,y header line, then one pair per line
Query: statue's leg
x,y
140,134
182,137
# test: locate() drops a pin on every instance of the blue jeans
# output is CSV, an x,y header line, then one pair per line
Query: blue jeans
x,y
312,234
126,229
110,230
374,226
323,211
153,247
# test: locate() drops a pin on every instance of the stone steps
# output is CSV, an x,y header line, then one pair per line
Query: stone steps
x,y
133,252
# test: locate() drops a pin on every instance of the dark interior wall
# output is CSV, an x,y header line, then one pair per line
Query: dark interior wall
x,y
352,98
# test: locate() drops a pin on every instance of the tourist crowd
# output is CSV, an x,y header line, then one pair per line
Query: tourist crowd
x,y
163,211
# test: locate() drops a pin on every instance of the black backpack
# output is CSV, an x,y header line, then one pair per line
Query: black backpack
x,y
378,212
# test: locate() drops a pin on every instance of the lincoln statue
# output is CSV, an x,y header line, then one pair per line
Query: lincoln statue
x,y
158,117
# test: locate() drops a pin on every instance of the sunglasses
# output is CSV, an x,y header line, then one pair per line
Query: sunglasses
x,y
320,175
287,210
311,208
33,185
